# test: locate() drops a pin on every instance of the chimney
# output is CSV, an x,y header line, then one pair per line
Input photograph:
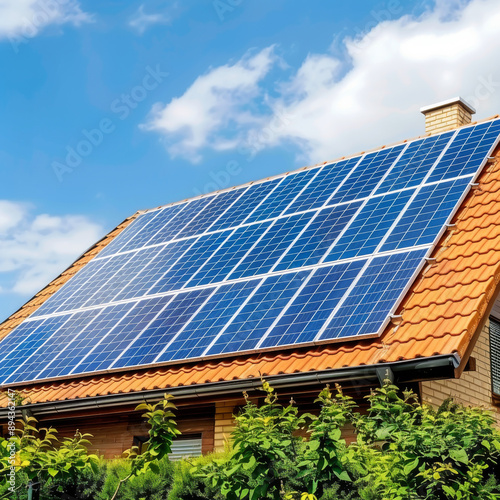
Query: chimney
x,y
447,115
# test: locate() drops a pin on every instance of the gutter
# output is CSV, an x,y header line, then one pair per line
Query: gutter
x,y
416,370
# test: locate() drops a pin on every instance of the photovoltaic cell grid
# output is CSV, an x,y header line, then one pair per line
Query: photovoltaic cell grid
x,y
322,254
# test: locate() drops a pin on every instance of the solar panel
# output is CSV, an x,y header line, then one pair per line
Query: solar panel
x,y
245,205
258,313
48,352
319,255
370,226
271,246
302,320
128,233
227,256
29,339
189,263
310,246
90,335
281,196
156,336
372,297
366,175
159,266
206,324
323,186
413,166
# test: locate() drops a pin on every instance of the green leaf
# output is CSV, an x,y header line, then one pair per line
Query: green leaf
x,y
154,468
448,490
52,472
343,476
314,445
410,466
459,455
251,462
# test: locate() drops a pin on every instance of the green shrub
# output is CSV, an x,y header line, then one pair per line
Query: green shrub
x,y
85,484
148,486
403,451
186,485
409,450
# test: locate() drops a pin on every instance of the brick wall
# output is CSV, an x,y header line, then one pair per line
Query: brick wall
x,y
113,434
446,118
473,388
224,421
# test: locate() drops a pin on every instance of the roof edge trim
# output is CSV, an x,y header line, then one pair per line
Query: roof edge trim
x,y
434,367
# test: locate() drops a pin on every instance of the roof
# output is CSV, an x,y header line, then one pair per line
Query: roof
x,y
440,314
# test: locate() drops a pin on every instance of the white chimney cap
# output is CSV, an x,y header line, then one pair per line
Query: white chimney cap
x,y
448,102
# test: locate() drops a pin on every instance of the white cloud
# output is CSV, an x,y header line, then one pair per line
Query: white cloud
x,y
215,101
141,21
336,105
26,18
36,248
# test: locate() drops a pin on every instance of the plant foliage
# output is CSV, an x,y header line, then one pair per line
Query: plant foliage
x,y
402,450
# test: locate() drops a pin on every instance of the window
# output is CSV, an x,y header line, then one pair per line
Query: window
x,y
184,446
495,355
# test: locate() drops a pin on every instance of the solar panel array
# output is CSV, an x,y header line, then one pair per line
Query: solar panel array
x,y
322,254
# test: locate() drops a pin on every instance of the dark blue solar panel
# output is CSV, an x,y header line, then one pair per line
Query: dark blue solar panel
x,y
374,296
85,339
53,347
271,246
102,356
209,321
153,271
163,329
169,230
415,163
323,185
282,196
229,254
187,265
366,175
369,227
426,215
318,237
120,280
33,339
16,338
259,313
245,205
127,234
332,214
73,286
202,222
111,267
167,216
467,151
307,314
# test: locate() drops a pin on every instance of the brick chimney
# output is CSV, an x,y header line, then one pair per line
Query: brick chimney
x,y
447,115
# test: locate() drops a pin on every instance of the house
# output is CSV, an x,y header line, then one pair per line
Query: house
x,y
383,264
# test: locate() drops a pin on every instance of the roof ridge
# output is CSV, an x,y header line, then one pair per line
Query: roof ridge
x,y
317,165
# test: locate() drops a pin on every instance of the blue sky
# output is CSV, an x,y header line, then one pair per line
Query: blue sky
x,y
109,107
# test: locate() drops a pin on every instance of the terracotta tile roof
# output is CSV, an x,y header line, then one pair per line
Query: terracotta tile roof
x,y
440,314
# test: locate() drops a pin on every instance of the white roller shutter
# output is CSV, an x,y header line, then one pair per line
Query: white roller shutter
x,y
185,448
495,354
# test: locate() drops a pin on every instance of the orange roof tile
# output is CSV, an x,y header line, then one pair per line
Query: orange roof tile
x,y
440,314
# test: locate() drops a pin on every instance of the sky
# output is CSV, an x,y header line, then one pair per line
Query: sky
x,y
108,107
